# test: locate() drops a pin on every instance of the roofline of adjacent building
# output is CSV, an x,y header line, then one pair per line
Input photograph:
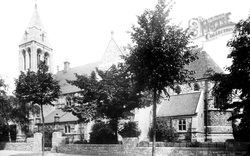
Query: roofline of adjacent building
x,y
177,116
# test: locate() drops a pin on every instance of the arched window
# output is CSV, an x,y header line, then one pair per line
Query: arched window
x,y
39,53
67,128
196,87
68,101
29,54
24,59
178,89
46,58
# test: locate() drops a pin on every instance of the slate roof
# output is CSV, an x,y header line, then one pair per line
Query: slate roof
x,y
63,116
35,31
179,105
62,76
111,56
201,65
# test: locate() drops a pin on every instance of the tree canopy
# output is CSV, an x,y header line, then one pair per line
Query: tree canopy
x,y
37,88
7,105
160,50
159,54
232,90
108,94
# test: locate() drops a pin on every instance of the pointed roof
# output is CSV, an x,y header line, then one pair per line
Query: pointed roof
x,y
112,54
35,30
174,106
203,64
63,116
35,20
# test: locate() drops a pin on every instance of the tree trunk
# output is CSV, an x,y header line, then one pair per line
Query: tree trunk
x,y
154,122
43,138
114,124
8,128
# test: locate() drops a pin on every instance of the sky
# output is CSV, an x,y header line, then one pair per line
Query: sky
x,y
79,30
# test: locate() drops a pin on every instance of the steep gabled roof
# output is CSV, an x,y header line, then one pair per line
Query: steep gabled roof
x,y
62,76
63,116
179,105
112,54
203,64
35,31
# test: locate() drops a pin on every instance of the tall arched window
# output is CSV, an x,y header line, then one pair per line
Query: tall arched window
x,y
196,87
67,128
39,53
68,101
46,58
29,54
24,59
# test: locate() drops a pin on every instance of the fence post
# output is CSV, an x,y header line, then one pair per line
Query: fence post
x,y
37,143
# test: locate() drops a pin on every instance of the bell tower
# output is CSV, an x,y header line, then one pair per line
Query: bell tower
x,y
34,46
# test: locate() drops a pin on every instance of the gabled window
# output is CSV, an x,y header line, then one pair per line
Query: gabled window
x,y
182,125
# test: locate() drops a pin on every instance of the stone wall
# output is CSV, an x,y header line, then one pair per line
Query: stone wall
x,y
120,150
124,150
17,146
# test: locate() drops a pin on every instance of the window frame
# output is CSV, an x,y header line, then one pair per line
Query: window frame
x,y
182,125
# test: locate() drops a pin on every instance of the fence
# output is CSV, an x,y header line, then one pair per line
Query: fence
x,y
143,148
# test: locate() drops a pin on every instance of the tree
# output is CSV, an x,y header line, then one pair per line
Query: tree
x,y
111,97
232,90
6,107
37,88
159,54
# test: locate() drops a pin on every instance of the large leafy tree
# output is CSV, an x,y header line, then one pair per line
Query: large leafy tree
x,y
159,53
232,90
6,106
37,88
11,110
110,95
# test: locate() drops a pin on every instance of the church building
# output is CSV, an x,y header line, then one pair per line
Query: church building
x,y
190,109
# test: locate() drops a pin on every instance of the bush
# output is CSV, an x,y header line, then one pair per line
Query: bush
x,y
102,133
4,133
241,132
164,133
129,129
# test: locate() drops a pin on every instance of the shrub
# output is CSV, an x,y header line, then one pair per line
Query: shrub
x,y
102,133
129,129
241,132
4,133
164,133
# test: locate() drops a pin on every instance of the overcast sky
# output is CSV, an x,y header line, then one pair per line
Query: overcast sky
x,y
80,30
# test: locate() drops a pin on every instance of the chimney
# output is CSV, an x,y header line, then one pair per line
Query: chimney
x,y
66,66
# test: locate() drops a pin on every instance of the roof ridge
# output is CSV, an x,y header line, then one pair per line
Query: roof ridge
x,y
194,92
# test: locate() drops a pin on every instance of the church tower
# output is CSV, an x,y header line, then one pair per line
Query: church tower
x,y
34,46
